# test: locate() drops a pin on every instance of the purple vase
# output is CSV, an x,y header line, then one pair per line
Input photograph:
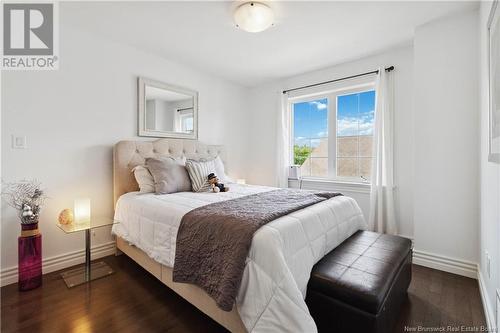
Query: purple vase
x,y
30,257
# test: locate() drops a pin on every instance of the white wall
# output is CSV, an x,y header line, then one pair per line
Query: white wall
x,y
265,105
490,180
446,129
73,116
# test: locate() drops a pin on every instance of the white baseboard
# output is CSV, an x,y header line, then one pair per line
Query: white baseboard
x,y
489,312
447,264
55,263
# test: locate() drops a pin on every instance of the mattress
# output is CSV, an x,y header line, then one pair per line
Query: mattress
x,y
272,292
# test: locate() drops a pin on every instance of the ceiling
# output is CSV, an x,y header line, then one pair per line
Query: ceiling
x,y
306,35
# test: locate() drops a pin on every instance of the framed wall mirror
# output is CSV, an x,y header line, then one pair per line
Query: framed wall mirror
x,y
167,111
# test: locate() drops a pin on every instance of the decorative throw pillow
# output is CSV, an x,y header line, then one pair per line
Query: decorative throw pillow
x,y
198,173
169,175
219,167
144,179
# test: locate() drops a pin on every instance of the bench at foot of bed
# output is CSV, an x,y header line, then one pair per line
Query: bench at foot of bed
x,y
361,284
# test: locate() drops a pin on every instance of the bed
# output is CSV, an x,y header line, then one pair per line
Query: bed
x,y
282,253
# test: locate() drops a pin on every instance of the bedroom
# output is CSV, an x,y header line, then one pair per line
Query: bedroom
x,y
61,126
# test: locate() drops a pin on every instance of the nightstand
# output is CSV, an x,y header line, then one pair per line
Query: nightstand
x,y
91,271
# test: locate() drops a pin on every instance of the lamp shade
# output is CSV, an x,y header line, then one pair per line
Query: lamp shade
x,y
253,16
82,210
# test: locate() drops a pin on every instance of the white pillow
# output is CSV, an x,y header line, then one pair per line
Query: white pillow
x,y
220,171
144,179
198,173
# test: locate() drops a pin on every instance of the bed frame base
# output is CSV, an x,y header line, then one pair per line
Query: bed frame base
x,y
191,293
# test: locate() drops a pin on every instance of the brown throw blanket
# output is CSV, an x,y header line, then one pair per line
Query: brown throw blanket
x,y
213,241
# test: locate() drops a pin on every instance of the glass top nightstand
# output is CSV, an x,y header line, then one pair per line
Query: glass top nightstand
x,y
95,222
91,271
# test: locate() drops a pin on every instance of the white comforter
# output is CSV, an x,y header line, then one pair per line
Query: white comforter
x,y
283,252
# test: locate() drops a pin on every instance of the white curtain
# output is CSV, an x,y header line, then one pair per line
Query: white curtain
x,y
382,212
283,142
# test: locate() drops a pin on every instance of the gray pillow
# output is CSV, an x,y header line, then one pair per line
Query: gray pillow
x,y
170,175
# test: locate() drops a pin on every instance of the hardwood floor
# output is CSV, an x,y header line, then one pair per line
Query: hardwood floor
x,y
131,300
440,299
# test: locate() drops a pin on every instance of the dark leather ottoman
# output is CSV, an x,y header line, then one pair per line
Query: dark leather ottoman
x,y
361,284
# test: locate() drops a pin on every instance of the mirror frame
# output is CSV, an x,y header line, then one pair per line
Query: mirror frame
x,y
142,131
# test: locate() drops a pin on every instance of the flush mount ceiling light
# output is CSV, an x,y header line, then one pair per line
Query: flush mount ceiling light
x,y
253,17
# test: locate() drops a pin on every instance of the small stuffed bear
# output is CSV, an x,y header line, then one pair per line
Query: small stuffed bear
x,y
215,185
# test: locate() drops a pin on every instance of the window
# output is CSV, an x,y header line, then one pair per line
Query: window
x,y
187,123
332,134
310,123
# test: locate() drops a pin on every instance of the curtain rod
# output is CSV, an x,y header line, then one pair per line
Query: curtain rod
x,y
388,69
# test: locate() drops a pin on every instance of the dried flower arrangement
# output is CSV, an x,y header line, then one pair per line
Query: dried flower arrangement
x,y
27,198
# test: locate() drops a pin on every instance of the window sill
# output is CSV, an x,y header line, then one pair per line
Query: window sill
x,y
329,185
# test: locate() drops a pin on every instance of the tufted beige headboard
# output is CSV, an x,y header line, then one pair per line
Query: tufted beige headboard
x,y
128,154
